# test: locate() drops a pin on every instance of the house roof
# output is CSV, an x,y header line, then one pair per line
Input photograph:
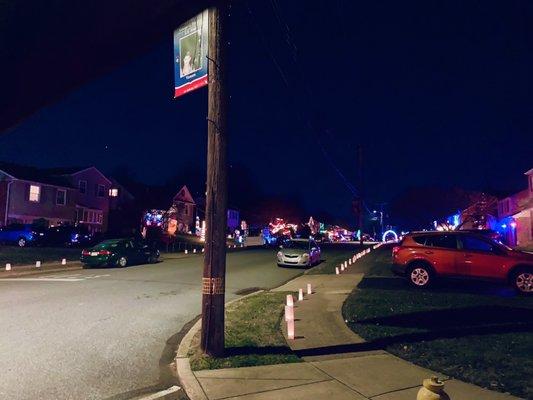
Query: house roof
x,y
184,195
73,171
28,173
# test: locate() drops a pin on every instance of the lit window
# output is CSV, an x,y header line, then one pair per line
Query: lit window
x,y
61,197
35,193
113,192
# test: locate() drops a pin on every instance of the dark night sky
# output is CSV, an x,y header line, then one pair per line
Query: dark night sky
x,y
437,93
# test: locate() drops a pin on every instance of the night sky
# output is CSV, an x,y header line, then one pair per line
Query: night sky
x,y
437,93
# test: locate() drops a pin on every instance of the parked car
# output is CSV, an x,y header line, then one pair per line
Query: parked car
x,y
298,252
119,253
70,236
423,257
21,234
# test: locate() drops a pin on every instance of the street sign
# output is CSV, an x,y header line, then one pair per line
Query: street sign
x,y
190,54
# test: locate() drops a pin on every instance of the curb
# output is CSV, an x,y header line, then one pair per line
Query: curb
x,y
72,266
189,383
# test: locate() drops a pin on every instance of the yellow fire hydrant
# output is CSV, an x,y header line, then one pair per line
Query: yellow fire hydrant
x,y
432,389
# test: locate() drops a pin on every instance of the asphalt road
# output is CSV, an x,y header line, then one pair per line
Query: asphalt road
x,y
101,333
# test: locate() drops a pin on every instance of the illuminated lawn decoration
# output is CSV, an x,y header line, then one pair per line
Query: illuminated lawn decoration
x,y
202,232
38,264
300,294
389,233
8,267
337,272
64,261
309,289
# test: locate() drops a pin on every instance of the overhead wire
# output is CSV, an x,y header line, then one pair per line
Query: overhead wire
x,y
294,50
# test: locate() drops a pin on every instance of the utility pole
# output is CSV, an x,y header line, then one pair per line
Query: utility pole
x,y
360,184
213,282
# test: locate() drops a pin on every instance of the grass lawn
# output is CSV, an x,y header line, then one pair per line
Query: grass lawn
x,y
333,255
475,332
253,335
28,255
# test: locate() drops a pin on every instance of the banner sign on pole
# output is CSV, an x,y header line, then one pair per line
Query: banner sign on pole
x,y
190,54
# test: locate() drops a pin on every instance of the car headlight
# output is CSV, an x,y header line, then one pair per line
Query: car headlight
x,y
280,255
305,256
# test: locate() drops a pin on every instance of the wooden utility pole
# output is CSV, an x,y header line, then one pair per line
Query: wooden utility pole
x,y
213,282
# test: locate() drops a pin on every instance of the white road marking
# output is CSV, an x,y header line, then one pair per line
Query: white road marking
x,y
55,278
41,280
172,389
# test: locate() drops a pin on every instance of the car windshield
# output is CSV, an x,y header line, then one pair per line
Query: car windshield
x,y
296,244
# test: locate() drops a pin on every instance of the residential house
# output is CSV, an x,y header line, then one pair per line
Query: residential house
x,y
184,208
92,195
515,214
59,195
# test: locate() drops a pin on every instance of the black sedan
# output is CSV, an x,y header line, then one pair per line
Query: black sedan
x,y
119,253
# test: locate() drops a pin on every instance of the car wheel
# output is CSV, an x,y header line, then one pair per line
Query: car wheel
x,y
420,276
523,281
21,242
122,262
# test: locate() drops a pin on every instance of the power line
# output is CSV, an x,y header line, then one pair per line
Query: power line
x,y
294,50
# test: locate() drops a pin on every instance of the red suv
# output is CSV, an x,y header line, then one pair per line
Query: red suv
x,y
424,256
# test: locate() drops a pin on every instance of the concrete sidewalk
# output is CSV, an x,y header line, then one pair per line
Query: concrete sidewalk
x,y
337,363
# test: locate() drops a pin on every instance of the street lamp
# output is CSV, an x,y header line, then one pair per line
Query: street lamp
x,y
380,221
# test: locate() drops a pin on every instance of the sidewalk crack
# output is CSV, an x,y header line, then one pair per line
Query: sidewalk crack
x,y
341,382
273,390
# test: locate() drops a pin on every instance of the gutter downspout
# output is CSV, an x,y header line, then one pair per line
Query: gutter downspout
x,y
7,201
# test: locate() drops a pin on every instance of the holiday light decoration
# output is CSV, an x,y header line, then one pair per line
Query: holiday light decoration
x,y
387,233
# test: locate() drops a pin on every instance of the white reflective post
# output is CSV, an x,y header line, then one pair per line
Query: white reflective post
x,y
8,267
37,264
309,289
290,329
290,300
300,294
289,313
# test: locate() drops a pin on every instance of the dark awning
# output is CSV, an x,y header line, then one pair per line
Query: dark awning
x,y
48,48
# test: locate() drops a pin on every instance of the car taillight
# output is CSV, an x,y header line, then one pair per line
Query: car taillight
x,y
395,250
85,253
104,252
